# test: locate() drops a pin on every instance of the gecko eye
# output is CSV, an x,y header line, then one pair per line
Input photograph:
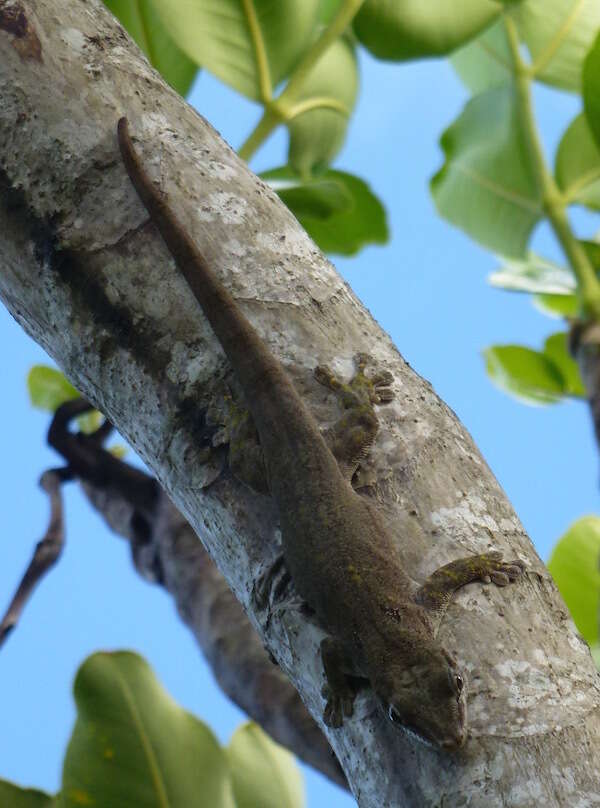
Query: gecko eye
x,y
394,715
458,681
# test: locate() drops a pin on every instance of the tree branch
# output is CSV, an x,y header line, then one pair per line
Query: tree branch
x,y
92,282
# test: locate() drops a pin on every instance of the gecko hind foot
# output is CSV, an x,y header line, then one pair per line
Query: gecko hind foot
x,y
497,571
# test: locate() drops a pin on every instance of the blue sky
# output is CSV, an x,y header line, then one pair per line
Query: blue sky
x,y
427,288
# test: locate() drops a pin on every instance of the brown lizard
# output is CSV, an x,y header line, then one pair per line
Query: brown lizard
x,y
337,545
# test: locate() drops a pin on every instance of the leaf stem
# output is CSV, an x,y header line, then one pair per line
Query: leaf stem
x,y
283,108
553,201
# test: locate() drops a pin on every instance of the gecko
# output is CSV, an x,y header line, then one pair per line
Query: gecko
x,y
338,546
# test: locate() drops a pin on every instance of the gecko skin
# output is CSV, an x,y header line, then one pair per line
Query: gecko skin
x,y
337,545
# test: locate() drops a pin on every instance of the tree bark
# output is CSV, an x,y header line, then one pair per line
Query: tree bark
x,y
91,281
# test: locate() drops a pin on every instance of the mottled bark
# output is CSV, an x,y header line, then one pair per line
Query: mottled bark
x,y
91,281
167,552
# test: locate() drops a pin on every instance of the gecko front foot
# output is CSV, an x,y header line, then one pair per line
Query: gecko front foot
x,y
271,586
353,434
340,705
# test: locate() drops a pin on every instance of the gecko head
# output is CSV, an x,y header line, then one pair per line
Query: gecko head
x,y
426,698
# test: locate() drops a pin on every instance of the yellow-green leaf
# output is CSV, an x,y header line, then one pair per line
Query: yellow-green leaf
x,y
142,22
265,775
342,222
133,746
48,388
486,185
485,61
12,796
249,44
578,164
559,34
591,89
317,134
414,29
574,567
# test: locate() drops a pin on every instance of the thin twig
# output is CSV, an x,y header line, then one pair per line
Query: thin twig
x,y
47,551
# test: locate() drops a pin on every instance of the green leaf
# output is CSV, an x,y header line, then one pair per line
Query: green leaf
x,y
578,164
142,22
556,348
591,89
528,375
48,388
414,29
485,61
486,185
595,649
349,228
318,198
558,34
12,796
574,567
132,745
557,305
317,135
249,44
265,775
533,274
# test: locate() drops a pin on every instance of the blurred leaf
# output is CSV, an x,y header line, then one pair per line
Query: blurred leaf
x,y
118,451
486,186
414,29
132,745
230,36
558,35
591,89
556,348
328,9
557,305
142,22
317,135
534,274
574,567
485,61
12,796
89,422
48,388
528,375
319,198
578,164
347,229
265,775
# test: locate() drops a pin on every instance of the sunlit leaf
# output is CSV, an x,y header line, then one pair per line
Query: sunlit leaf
x,y
249,44
591,89
557,305
142,22
317,135
48,388
349,227
265,775
12,796
534,274
485,61
558,35
132,745
486,185
413,29
578,164
574,567
525,374
556,348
